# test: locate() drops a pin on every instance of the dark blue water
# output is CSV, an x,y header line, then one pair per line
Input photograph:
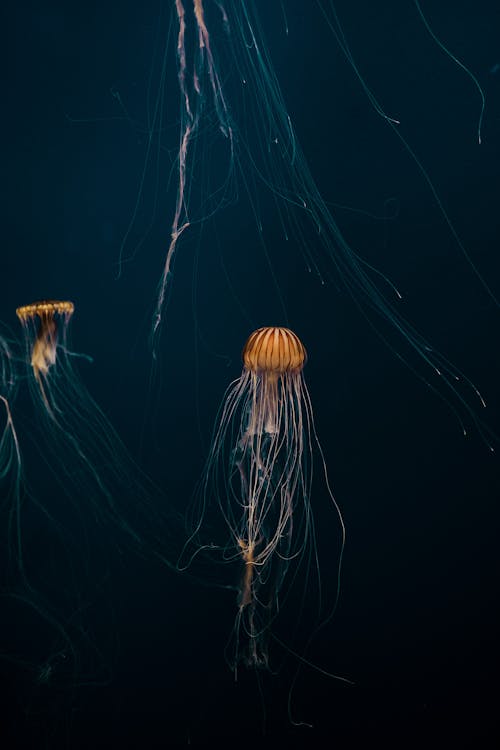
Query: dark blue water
x,y
111,647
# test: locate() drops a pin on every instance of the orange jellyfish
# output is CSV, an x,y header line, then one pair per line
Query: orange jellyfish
x,y
81,503
89,463
260,472
43,323
43,353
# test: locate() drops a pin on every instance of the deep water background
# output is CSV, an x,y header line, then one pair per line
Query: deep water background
x,y
418,619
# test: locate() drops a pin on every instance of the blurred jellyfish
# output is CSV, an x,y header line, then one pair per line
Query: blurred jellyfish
x,y
260,471
93,479
45,319
76,500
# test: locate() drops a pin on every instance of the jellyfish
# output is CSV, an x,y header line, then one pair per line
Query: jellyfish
x,y
260,472
43,321
73,504
92,480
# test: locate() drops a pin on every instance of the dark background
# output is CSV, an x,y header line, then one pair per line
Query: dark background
x,y
417,625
